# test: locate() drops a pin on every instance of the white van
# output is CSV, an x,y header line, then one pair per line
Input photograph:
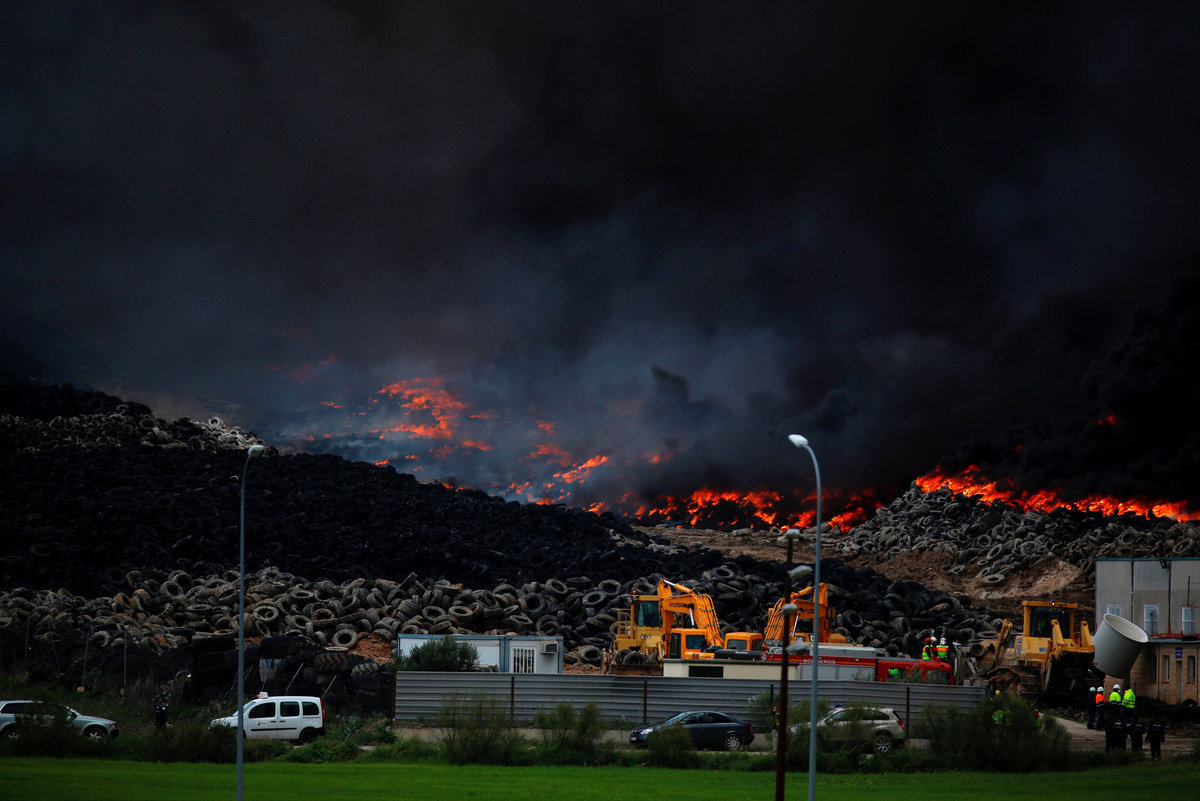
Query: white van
x,y
280,717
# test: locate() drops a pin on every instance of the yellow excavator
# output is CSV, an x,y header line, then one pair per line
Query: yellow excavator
x,y
802,622
1048,658
674,622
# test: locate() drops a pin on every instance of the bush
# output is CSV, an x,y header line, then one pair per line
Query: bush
x,y
569,737
1002,734
321,750
672,747
446,655
402,749
477,729
762,710
192,741
57,739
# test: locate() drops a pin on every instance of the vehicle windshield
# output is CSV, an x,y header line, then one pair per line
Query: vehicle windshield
x,y
676,719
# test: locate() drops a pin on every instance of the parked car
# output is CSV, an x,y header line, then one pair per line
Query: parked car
x,y
708,729
875,726
282,717
16,714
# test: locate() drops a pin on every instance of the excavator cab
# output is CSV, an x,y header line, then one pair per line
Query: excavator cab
x,y
647,613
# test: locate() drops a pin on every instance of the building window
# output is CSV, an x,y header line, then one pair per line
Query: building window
x,y
1150,618
1113,609
522,660
1188,617
1166,669
1151,664
1191,670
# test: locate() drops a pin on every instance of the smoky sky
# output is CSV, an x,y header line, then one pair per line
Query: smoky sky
x,y
667,233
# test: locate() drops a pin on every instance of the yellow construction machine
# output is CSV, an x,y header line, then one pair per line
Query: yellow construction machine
x,y
1048,658
803,620
674,622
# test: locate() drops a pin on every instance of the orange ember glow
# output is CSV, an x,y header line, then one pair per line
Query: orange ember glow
x,y
972,483
709,508
551,453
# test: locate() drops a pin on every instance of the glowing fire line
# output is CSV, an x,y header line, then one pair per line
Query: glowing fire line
x,y
971,483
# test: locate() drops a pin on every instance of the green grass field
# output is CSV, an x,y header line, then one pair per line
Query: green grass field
x,y
48,779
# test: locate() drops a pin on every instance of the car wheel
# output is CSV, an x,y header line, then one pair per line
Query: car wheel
x,y
882,744
732,741
11,733
307,736
95,733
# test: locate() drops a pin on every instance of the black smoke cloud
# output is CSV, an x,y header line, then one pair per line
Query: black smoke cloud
x,y
670,230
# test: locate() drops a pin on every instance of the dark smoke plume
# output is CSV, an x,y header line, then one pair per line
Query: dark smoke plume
x,y
661,235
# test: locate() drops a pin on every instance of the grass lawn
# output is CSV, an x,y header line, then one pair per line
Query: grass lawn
x,y
48,779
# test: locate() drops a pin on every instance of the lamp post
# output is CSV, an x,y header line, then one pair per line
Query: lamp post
x,y
802,443
789,611
253,451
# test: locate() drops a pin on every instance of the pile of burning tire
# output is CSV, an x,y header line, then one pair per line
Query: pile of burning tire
x,y
993,541
123,528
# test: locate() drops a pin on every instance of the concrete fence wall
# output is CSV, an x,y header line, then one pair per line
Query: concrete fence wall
x,y
638,699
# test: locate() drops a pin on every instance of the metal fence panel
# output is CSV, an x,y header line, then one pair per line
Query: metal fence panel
x,y
634,699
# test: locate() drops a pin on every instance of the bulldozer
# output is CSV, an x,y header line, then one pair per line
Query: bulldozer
x,y
1048,659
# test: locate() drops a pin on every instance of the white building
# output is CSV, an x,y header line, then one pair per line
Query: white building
x,y
1160,596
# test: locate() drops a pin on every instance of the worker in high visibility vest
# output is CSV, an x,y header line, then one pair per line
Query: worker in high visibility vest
x,y
943,651
1099,702
1128,701
928,651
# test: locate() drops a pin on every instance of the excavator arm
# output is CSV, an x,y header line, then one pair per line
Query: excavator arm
x,y
683,608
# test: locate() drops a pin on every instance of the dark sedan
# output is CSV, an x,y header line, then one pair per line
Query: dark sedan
x,y
708,729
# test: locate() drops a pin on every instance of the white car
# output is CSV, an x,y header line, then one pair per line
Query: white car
x,y
14,714
280,717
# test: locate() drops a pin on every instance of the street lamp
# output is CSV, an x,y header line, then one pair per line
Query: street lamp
x,y
254,450
801,442
789,611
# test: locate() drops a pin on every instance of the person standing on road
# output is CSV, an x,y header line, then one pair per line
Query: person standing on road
x,y
1128,702
161,710
1119,734
1135,729
1091,705
1156,732
1099,701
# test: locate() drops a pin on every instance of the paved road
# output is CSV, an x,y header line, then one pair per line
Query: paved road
x,y
1178,741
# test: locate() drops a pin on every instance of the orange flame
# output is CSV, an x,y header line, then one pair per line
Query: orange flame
x,y
972,483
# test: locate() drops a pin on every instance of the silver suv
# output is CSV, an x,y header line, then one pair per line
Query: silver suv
x,y
14,714
877,726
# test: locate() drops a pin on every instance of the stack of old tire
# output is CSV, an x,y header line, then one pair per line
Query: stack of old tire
x,y
992,541
123,535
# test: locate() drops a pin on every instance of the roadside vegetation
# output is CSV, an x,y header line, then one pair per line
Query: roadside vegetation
x,y
1004,734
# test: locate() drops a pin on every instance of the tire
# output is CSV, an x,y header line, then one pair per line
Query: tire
x,y
882,744
95,734
306,736
732,742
